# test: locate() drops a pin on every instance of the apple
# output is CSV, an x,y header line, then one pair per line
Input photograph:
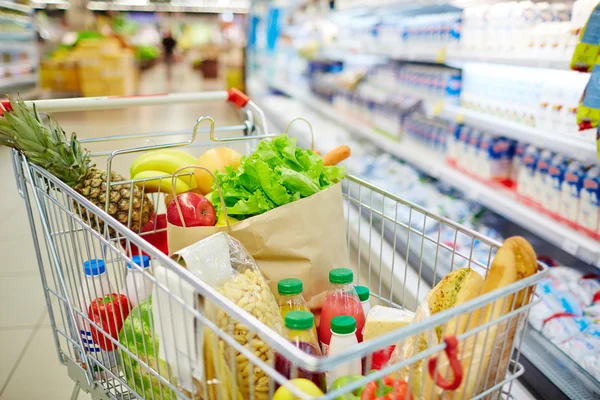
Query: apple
x,y
195,208
306,386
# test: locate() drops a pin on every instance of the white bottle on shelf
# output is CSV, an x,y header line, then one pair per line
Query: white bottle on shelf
x,y
589,210
137,286
95,285
343,330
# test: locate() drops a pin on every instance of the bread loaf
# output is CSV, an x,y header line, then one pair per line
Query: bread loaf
x,y
486,355
456,288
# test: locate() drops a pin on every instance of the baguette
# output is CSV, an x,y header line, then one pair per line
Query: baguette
x,y
336,155
456,288
490,349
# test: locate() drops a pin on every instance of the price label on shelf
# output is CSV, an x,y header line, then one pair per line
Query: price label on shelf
x,y
570,247
459,118
440,57
438,108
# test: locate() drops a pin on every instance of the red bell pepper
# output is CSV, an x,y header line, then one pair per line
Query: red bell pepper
x,y
387,388
108,313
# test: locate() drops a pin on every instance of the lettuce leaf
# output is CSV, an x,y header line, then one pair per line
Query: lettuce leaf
x,y
277,173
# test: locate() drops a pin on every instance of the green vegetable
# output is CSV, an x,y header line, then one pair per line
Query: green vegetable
x,y
146,52
343,381
138,337
277,173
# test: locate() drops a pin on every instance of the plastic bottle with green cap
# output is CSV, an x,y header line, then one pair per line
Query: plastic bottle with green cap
x,y
343,337
290,298
341,299
299,330
364,295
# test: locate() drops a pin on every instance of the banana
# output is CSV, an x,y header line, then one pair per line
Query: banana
x,y
166,160
162,182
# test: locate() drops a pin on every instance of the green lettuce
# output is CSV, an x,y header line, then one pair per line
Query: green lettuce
x,y
277,173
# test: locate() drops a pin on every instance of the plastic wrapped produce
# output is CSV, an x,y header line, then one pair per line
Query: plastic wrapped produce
x,y
223,263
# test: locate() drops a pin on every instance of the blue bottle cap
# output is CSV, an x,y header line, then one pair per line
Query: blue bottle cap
x,y
142,261
94,267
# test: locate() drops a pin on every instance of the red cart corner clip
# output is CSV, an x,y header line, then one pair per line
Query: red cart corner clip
x,y
237,97
457,370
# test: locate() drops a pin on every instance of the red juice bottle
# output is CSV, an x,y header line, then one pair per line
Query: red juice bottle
x,y
299,331
341,299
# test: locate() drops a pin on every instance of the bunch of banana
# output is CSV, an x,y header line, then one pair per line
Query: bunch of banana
x,y
154,171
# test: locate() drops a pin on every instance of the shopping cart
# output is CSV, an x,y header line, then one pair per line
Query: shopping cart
x,y
60,221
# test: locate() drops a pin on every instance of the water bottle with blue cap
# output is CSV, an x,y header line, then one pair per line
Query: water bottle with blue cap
x,y
138,285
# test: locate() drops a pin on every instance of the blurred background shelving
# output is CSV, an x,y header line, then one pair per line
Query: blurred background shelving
x,y
415,88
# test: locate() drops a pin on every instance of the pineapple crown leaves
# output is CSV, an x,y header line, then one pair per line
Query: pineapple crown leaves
x,y
44,145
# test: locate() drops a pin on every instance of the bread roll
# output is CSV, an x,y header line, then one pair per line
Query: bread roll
x,y
457,287
490,349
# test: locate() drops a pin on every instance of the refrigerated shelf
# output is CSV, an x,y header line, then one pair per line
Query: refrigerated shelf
x,y
578,149
17,7
456,58
502,202
557,367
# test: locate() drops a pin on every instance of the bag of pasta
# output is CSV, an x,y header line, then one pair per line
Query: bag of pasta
x,y
223,263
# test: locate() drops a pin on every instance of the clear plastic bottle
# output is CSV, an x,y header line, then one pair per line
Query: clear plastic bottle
x,y
299,330
364,295
137,286
343,337
341,299
291,299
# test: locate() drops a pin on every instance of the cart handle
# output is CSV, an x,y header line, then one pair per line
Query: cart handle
x,y
233,96
457,370
174,193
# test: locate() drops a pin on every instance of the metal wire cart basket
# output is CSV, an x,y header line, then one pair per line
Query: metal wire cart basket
x,y
68,230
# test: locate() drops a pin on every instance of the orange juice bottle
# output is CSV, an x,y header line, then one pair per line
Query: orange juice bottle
x,y
291,299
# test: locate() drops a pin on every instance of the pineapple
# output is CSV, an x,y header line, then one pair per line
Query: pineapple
x,y
48,147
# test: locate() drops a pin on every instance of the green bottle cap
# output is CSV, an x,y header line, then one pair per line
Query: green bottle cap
x,y
363,292
299,320
341,275
343,324
289,286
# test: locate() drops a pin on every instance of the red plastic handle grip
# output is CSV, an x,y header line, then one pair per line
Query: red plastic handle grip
x,y
457,370
237,97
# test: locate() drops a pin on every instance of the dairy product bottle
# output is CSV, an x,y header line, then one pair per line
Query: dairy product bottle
x,y
541,176
95,285
138,286
343,337
516,161
554,182
526,184
484,160
571,191
589,210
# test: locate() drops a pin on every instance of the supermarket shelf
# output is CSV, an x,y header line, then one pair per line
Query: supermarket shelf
x,y
19,65
17,81
8,36
457,58
575,148
503,202
16,7
22,47
558,368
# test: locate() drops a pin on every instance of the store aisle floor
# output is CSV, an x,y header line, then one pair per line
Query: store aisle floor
x,y
29,366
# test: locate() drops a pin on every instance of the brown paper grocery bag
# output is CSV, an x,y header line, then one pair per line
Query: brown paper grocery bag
x,y
304,239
